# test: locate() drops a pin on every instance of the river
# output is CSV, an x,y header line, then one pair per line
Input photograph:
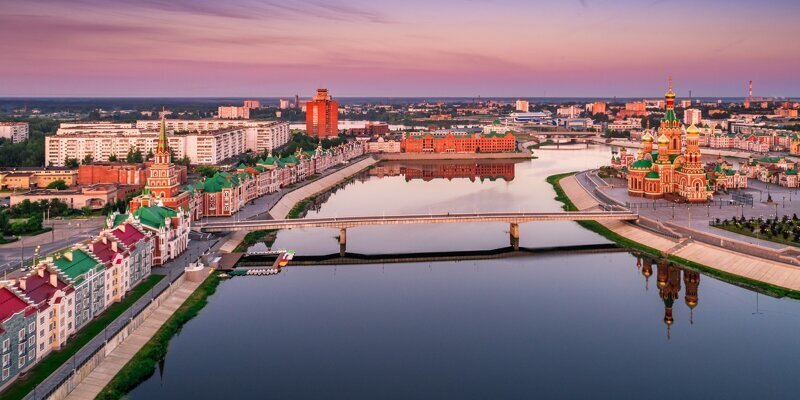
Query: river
x,y
557,325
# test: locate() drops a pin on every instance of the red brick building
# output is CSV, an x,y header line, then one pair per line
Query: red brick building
x,y
370,129
123,174
459,143
322,115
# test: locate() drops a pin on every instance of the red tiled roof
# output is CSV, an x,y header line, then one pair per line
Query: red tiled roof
x,y
130,236
10,304
103,251
39,289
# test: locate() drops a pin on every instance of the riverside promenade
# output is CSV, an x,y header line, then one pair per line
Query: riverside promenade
x,y
101,375
758,269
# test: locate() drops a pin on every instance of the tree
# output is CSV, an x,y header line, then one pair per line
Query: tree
x,y
57,185
149,155
134,155
5,226
183,161
71,162
87,160
34,223
86,211
206,171
112,158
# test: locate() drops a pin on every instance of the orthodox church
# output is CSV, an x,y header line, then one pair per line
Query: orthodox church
x,y
669,169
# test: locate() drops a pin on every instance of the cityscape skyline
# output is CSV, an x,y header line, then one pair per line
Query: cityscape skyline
x,y
509,48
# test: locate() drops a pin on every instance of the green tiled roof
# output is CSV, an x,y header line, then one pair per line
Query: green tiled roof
x,y
80,264
791,172
642,164
652,175
154,216
119,218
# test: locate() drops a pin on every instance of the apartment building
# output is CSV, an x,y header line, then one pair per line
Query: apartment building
x,y
15,131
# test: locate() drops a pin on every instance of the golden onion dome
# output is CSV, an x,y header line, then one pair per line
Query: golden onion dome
x,y
663,139
647,137
692,130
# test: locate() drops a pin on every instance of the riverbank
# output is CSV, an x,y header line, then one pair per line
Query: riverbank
x,y
452,156
143,363
773,278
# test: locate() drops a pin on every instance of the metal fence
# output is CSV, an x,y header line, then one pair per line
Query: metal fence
x,y
97,344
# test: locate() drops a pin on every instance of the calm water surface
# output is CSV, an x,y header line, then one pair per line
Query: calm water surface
x,y
607,325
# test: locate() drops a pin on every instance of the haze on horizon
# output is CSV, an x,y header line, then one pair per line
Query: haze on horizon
x,y
447,48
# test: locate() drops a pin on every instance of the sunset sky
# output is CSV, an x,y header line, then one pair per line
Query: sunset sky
x,y
398,48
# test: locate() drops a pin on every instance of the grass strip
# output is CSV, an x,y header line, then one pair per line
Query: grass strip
x,y
54,360
594,226
252,238
143,364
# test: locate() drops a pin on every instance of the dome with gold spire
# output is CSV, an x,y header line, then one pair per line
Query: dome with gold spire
x,y
647,137
670,94
692,130
663,139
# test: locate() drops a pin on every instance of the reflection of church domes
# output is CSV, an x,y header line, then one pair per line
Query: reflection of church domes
x,y
691,303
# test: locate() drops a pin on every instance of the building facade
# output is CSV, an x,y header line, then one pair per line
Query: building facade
x,y
322,115
14,131
233,112
459,143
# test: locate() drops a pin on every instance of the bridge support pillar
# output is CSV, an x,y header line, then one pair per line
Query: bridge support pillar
x,y
342,241
514,235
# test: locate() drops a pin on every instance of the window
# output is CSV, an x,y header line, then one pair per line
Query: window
x,y
31,341
32,327
6,373
6,359
21,335
6,345
30,356
21,362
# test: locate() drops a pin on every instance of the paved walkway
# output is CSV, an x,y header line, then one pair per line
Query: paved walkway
x,y
758,269
91,386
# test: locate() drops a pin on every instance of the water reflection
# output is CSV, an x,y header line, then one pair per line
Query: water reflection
x,y
668,277
446,170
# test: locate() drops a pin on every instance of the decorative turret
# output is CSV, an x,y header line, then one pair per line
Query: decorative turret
x,y
162,150
670,125
647,140
663,149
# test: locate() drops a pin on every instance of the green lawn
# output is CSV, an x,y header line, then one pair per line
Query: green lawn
x,y
143,364
54,360
598,228
748,232
254,237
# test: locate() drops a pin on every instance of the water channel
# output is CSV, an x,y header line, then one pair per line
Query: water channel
x,y
558,325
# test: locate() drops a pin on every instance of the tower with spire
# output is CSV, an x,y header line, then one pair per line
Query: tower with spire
x,y
163,187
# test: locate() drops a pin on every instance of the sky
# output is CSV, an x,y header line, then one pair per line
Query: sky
x,y
508,48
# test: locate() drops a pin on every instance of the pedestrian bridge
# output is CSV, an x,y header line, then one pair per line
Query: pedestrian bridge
x,y
342,223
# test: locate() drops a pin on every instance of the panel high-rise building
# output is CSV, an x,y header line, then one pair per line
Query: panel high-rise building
x,y
322,115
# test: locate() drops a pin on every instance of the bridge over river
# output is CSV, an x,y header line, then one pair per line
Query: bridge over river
x,y
342,223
